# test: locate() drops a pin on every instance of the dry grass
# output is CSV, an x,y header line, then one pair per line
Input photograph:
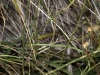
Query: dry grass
x,y
49,37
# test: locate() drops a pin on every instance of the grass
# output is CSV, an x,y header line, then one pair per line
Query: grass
x,y
49,37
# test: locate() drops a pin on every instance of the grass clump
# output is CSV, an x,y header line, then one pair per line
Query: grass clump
x,y
49,37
